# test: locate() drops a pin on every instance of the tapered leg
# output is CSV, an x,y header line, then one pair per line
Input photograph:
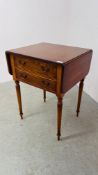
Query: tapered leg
x,y
80,96
59,116
19,98
44,92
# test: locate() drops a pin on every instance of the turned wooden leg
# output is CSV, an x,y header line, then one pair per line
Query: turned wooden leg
x,y
59,116
19,98
80,96
44,92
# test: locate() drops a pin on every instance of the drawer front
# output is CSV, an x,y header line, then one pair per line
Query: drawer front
x,y
39,67
39,82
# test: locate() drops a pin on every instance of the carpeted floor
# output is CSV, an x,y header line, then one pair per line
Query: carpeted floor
x,y
30,146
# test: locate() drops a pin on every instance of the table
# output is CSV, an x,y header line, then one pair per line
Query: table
x,y
50,67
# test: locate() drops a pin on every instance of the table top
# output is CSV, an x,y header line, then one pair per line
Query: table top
x,y
51,52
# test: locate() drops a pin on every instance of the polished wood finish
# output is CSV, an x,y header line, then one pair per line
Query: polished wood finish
x,y
75,71
19,98
80,96
36,81
59,116
60,99
39,67
48,52
51,67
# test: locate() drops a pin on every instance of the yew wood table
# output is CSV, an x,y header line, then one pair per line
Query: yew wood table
x,y
51,67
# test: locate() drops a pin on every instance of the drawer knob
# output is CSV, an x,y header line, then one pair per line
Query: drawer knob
x,y
45,69
23,76
45,83
22,62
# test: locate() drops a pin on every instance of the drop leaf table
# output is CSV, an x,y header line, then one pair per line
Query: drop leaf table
x,y
50,67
